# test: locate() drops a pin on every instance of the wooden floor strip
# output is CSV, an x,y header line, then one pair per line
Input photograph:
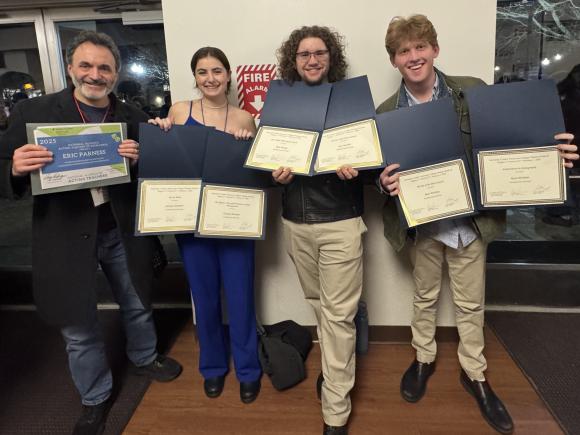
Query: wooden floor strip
x,y
181,407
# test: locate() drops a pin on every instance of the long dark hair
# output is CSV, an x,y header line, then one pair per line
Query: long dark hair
x,y
211,52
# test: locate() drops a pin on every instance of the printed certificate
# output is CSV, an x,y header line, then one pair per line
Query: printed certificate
x,y
85,156
227,211
276,147
356,144
435,192
167,206
521,177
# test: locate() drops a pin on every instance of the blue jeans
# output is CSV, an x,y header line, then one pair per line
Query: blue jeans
x,y
84,343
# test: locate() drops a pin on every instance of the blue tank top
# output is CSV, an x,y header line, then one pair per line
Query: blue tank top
x,y
190,119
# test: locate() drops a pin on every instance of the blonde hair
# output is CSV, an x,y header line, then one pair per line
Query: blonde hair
x,y
415,27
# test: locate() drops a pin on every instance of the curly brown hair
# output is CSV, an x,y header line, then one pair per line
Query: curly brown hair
x,y
333,41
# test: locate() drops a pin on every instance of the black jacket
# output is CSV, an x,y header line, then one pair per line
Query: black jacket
x,y
64,225
322,198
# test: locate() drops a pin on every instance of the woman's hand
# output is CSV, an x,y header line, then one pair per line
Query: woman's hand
x,y
243,134
163,123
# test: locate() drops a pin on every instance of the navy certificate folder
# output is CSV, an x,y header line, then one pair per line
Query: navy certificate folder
x,y
297,106
350,101
422,135
177,153
224,162
514,115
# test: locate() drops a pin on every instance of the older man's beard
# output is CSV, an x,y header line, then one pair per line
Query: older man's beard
x,y
93,95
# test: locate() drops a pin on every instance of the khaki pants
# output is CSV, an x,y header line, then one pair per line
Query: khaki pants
x,y
467,281
328,259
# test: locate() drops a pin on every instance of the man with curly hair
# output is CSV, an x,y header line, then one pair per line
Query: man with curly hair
x,y
323,228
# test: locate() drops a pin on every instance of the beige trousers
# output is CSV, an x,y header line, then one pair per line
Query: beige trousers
x,y
467,281
328,259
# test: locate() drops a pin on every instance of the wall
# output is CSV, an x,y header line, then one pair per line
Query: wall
x,y
249,32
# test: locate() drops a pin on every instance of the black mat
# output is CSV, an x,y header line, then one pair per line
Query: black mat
x,y
37,395
546,346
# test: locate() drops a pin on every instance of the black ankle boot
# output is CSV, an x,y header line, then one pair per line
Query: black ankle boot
x,y
213,387
414,381
249,391
492,409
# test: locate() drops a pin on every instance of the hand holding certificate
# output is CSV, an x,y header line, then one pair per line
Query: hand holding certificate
x,y
434,182
84,156
350,137
517,161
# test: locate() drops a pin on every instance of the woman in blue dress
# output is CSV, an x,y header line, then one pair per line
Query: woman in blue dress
x,y
213,263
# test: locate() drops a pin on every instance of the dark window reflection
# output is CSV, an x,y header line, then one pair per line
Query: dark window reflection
x,y
20,71
538,40
144,79
20,78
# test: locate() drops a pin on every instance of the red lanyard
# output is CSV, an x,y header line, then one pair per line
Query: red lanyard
x,y
85,121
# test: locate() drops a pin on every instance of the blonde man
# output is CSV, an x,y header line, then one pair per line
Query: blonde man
x,y
461,243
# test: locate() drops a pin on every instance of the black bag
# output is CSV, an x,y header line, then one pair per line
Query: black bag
x,y
283,349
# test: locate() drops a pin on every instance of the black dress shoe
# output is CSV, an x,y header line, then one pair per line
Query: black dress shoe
x,y
492,409
249,391
414,381
319,382
93,418
334,430
213,387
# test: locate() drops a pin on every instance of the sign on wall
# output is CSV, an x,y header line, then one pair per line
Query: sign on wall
x,y
253,82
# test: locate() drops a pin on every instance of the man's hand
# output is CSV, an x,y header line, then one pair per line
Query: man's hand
x,y
130,149
283,175
29,158
390,183
567,150
163,123
346,173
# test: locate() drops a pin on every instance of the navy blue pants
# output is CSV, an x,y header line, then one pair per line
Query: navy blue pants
x,y
209,263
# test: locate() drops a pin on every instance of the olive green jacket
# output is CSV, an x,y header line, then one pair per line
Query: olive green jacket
x,y
489,224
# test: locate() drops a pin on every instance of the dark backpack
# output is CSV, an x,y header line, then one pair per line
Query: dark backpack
x,y
283,349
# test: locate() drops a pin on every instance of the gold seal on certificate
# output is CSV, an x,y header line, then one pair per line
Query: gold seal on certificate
x,y
521,176
355,144
276,147
435,192
228,211
167,206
